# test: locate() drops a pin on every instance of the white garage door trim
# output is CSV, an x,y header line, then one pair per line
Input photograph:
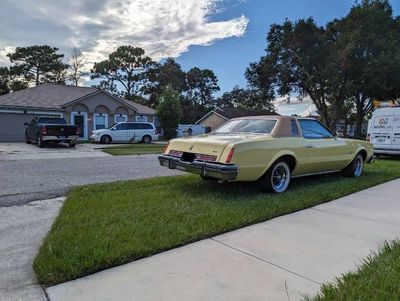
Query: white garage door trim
x,y
32,112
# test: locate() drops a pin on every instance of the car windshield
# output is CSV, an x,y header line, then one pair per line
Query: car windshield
x,y
111,126
51,120
257,126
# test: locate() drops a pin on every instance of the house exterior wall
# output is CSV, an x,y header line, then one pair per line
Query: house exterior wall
x,y
12,120
212,121
103,104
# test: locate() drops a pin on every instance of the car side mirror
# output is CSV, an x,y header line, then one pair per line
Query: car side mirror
x,y
25,123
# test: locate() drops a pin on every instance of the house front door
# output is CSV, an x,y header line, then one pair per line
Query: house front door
x,y
80,120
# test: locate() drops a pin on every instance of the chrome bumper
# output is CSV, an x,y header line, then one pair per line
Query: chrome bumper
x,y
219,171
372,159
59,138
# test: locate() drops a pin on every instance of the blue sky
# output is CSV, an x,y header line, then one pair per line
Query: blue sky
x,y
229,57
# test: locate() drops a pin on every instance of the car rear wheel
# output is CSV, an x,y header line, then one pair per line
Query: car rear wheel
x,y
355,168
277,178
105,139
40,142
146,139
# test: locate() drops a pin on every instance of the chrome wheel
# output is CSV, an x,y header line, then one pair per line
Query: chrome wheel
x,y
280,177
358,166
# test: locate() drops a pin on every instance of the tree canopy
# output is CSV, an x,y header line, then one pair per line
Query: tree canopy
x,y
354,58
169,73
169,111
126,67
39,64
248,99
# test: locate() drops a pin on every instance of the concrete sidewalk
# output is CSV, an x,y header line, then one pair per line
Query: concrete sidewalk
x,y
281,259
22,229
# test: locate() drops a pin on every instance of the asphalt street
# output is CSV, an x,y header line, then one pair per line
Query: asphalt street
x,y
23,181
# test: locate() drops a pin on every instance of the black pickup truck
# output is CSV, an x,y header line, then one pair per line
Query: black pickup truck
x,y
43,130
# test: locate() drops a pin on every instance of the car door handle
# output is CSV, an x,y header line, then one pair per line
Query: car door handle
x,y
310,146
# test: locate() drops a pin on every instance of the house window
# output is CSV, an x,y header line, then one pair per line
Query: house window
x,y
120,118
141,118
100,121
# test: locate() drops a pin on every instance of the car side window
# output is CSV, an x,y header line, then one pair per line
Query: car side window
x,y
295,131
121,127
135,126
312,129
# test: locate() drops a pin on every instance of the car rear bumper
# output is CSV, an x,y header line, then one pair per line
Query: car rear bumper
x,y
383,151
226,172
59,138
372,159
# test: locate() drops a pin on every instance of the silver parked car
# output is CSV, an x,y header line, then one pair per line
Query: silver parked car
x,y
126,132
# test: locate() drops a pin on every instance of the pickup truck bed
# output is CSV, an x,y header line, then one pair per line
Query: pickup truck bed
x,y
45,130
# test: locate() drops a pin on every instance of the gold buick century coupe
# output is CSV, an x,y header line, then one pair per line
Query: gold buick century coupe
x,y
267,149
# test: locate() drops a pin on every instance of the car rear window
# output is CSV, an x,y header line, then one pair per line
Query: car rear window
x,y
51,120
257,126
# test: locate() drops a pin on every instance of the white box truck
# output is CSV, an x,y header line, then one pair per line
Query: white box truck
x,y
384,130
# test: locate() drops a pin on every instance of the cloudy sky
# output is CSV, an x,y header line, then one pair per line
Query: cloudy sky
x,y
223,35
164,28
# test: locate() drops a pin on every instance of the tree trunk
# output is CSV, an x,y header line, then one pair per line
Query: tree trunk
x,y
37,77
359,117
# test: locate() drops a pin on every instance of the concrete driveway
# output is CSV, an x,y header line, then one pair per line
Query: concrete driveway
x,y
23,151
23,181
28,176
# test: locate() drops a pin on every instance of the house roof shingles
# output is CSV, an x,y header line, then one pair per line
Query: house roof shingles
x,y
55,96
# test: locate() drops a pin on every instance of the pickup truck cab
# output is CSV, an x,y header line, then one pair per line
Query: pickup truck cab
x,y
43,130
126,132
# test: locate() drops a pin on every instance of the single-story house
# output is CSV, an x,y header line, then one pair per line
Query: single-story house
x,y
218,116
88,108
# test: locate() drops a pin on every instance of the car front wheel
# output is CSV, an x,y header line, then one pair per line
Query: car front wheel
x,y
355,168
277,178
105,139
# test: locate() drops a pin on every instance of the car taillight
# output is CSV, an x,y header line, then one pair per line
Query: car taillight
x,y
43,131
175,153
155,132
165,148
369,137
208,158
230,155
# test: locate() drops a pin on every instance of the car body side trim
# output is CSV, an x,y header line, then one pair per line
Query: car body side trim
x,y
316,173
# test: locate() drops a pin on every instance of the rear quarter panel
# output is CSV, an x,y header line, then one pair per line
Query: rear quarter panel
x,y
359,145
254,158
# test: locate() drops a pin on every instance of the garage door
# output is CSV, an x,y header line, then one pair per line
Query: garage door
x,y
12,127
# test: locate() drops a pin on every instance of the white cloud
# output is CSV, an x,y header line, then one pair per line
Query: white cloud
x,y
294,105
162,27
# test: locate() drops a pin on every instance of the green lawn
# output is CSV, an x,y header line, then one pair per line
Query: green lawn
x,y
134,149
378,278
105,225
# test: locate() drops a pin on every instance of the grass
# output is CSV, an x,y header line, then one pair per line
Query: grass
x,y
104,225
378,278
134,149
